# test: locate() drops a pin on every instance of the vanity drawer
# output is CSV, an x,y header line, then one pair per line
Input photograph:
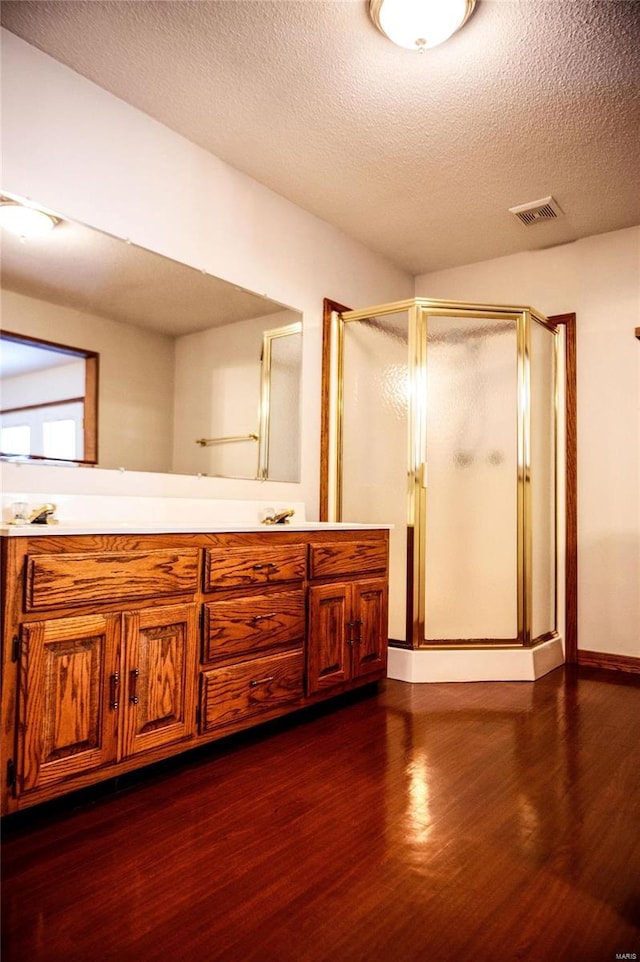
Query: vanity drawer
x,y
259,623
63,580
250,688
347,557
243,567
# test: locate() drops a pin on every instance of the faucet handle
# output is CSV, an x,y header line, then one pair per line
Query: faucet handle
x,y
20,512
43,515
279,517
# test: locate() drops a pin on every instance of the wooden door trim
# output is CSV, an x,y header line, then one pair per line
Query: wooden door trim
x,y
602,659
571,487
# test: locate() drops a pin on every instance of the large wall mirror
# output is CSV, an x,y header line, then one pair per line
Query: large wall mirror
x,y
115,356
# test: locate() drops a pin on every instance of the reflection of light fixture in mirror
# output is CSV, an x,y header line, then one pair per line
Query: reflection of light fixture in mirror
x,y
416,24
26,222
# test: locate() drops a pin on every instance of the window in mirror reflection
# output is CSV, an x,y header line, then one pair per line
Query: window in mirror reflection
x,y
16,438
48,399
60,438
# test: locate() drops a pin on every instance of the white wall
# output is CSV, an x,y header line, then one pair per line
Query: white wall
x,y
599,279
135,381
43,386
77,149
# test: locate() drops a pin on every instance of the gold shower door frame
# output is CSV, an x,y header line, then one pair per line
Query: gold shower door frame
x,y
419,311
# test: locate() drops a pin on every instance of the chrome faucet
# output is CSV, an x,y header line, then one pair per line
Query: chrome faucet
x,y
279,517
43,515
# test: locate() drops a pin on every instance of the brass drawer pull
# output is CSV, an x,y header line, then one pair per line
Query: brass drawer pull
x,y
261,681
114,682
267,564
272,614
133,681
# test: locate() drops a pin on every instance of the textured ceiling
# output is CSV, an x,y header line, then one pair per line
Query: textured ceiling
x,y
416,155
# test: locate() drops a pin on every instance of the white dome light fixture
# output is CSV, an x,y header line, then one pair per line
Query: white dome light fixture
x,y
420,24
26,222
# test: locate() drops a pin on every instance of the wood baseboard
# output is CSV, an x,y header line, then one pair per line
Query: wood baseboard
x,y
601,659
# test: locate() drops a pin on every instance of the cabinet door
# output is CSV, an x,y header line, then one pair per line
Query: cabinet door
x,y
68,698
158,677
327,648
370,629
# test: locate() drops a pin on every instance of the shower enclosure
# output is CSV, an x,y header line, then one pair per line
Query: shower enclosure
x,y
442,418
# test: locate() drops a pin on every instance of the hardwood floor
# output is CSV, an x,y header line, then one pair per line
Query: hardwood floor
x,y
475,822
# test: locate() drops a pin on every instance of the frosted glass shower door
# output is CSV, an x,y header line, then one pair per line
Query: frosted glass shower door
x,y
543,359
471,501
375,435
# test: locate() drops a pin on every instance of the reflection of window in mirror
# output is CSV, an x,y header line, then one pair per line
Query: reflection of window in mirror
x,y
49,400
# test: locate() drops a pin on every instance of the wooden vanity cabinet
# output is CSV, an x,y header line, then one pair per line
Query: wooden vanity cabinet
x,y
348,614
121,650
97,666
99,688
347,633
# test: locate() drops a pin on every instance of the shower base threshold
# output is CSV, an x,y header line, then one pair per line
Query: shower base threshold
x,y
481,664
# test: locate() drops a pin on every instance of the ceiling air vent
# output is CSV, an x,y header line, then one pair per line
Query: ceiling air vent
x,y
545,209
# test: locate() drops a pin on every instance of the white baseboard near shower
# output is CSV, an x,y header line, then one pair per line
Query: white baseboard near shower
x,y
482,664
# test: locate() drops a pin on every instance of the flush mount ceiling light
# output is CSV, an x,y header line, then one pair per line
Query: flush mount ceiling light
x,y
26,222
419,24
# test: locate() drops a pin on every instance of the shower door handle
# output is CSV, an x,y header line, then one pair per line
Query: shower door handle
x,y
422,474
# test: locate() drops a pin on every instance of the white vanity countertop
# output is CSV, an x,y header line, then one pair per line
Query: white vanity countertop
x,y
130,527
